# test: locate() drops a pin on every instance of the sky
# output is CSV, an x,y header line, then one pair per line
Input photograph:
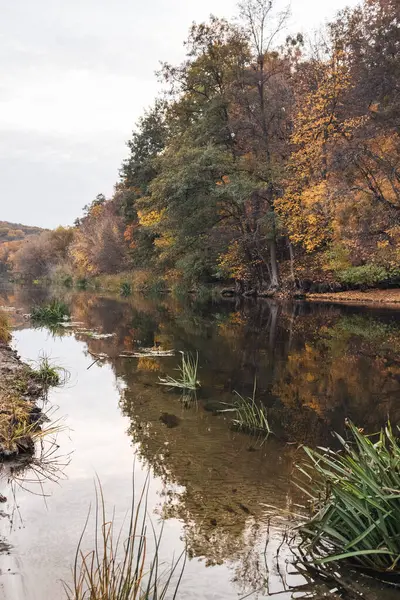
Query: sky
x,y
75,77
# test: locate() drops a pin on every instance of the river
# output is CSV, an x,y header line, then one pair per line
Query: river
x,y
222,494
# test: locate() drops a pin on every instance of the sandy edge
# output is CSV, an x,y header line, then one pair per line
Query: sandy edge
x,y
383,298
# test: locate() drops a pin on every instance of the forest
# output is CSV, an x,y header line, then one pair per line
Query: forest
x,y
271,161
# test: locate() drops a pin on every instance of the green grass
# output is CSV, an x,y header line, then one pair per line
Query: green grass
x,y
251,416
354,501
118,567
48,373
50,314
126,289
188,374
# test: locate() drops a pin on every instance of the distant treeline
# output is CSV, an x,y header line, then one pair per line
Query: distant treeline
x,y
269,160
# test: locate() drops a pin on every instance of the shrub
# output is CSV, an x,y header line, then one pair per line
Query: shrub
x,y
355,501
363,275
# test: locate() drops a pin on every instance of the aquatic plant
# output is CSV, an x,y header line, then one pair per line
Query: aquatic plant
x,y
354,501
251,416
188,374
118,567
4,328
126,289
48,373
50,314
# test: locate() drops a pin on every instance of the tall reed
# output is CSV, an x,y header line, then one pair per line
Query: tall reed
x,y
119,568
354,501
251,416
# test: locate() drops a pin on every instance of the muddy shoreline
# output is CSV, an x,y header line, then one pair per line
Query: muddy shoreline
x,y
19,394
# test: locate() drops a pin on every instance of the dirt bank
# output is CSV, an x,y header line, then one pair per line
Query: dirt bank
x,y
389,297
19,413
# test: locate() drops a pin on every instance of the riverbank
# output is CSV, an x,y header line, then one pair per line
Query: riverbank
x,y
19,413
372,296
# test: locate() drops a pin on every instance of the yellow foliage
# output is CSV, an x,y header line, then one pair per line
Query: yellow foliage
x,y
164,241
148,364
150,218
233,263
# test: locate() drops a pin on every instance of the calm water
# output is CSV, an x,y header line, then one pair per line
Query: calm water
x,y
315,366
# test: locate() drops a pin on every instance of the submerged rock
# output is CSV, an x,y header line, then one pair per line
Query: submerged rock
x,y
169,420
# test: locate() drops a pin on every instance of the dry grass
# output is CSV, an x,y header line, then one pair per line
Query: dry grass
x,y
5,335
118,567
18,432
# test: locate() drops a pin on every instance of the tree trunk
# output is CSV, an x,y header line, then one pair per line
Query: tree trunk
x,y
273,263
291,254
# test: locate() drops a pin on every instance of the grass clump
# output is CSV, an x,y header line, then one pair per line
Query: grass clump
x,y
18,429
5,335
355,501
250,415
126,289
118,567
50,314
48,373
188,374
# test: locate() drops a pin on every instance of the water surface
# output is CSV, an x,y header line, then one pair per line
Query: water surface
x,y
315,366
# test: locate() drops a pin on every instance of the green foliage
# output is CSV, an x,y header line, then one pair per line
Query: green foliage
x,y
368,275
126,289
338,258
118,567
50,314
187,379
355,501
155,286
246,162
361,326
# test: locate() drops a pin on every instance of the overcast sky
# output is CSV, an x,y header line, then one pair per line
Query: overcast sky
x,y
75,76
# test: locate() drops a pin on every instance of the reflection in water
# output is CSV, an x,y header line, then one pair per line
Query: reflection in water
x,y
314,365
33,473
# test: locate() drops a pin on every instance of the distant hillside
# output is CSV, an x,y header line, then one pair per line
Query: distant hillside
x,y
12,232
